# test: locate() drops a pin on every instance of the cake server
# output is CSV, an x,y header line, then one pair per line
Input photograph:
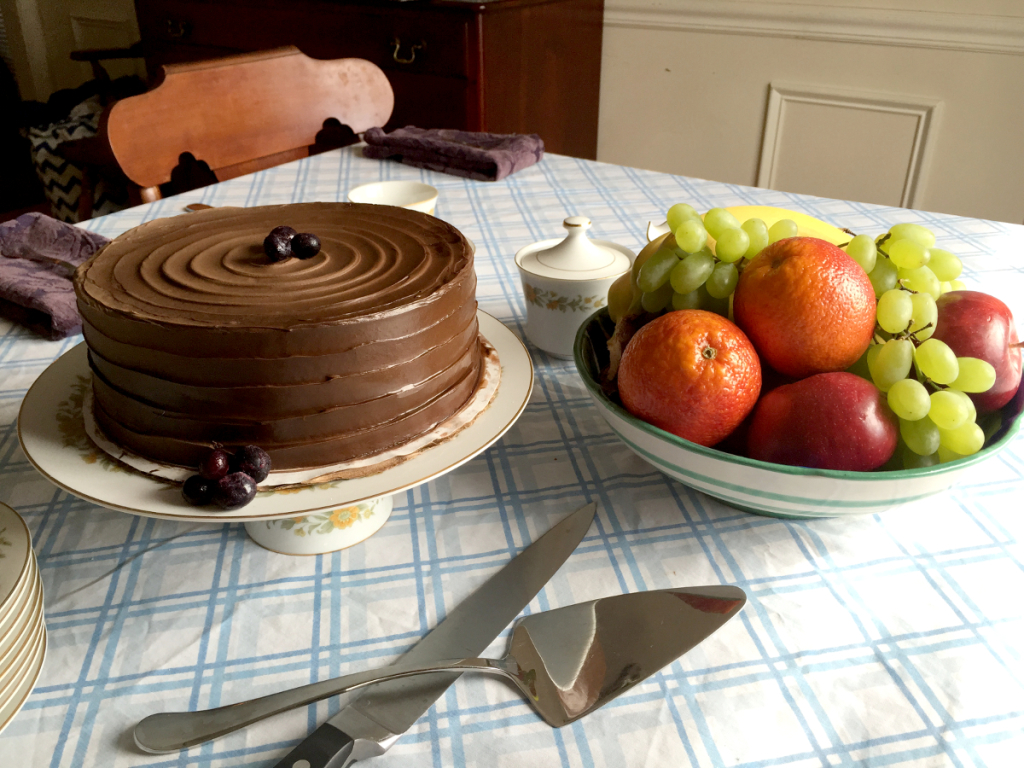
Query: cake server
x,y
566,662
369,724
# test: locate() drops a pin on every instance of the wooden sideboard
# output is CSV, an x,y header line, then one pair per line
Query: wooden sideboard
x,y
504,66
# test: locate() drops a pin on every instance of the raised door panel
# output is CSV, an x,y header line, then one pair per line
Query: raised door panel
x,y
847,145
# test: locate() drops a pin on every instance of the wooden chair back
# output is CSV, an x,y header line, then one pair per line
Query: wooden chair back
x,y
242,113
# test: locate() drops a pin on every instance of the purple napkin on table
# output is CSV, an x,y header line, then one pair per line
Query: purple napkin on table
x,y
482,156
38,258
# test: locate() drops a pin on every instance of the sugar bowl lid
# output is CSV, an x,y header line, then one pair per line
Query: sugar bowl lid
x,y
575,257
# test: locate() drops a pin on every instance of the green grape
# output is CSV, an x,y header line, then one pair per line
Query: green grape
x,y
921,235
909,399
967,439
944,287
655,301
722,281
711,304
679,213
717,220
908,254
691,235
862,250
782,229
947,410
894,310
656,270
922,280
913,460
757,231
891,363
936,360
972,412
689,300
945,265
732,245
883,276
924,315
691,272
921,436
957,285
945,455
976,375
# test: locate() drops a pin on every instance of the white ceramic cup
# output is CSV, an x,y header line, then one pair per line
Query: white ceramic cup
x,y
414,195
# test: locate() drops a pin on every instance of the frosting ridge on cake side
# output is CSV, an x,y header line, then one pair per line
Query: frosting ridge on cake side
x,y
196,337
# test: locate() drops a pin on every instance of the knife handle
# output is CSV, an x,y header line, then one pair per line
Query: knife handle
x,y
326,747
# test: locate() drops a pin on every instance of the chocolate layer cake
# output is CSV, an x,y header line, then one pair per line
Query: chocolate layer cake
x,y
196,337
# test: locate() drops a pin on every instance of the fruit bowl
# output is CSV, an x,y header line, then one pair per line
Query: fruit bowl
x,y
769,489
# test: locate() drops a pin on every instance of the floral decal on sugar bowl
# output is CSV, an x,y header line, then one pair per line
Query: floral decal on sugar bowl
x,y
565,281
551,300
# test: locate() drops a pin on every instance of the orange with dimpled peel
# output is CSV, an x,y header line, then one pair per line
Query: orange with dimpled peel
x,y
807,307
692,373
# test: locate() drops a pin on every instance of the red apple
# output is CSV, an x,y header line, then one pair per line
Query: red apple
x,y
827,421
975,324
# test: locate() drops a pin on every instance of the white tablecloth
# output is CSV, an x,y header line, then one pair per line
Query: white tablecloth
x,y
890,639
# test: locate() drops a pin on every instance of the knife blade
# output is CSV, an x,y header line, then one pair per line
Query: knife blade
x,y
369,724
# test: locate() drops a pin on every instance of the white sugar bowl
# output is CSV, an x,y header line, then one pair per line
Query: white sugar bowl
x,y
565,281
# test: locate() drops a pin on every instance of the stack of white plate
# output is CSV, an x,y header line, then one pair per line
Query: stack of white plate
x,y
22,631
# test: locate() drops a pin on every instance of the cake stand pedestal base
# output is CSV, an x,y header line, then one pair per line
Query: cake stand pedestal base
x,y
324,531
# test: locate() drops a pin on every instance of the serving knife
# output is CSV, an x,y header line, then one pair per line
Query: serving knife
x,y
369,724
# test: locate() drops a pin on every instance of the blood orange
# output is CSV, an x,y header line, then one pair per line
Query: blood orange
x,y
692,373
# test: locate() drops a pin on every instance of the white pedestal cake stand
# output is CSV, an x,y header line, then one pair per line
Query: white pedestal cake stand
x,y
303,521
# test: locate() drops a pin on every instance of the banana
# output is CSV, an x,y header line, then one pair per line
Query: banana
x,y
808,226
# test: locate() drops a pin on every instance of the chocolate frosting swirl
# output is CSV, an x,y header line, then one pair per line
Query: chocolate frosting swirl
x,y
209,269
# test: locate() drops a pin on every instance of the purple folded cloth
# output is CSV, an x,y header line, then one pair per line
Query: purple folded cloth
x,y
482,156
38,258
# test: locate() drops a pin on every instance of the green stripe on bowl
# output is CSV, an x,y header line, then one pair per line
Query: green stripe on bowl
x,y
801,501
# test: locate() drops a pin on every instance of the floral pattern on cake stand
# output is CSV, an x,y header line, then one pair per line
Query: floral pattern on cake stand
x,y
333,515
321,532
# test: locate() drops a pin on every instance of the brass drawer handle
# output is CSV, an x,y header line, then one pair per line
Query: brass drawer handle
x,y
412,51
178,30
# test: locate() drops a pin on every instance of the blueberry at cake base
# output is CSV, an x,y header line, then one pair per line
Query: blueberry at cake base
x,y
198,338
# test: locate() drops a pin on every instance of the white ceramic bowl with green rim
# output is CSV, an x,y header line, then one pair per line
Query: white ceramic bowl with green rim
x,y
770,489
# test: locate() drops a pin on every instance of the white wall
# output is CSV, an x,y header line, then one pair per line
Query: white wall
x,y
910,102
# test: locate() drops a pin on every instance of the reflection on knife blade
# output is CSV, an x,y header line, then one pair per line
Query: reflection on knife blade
x,y
372,722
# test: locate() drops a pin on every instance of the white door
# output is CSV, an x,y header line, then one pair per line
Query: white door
x,y
41,35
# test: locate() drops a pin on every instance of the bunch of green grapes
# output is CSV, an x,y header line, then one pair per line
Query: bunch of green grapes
x,y
925,383
686,273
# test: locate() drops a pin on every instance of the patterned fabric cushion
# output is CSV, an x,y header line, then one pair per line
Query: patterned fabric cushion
x,y
62,180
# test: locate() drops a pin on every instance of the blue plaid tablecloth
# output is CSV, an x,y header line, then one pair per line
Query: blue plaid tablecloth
x,y
889,639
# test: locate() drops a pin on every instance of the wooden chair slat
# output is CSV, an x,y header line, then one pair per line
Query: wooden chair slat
x,y
243,113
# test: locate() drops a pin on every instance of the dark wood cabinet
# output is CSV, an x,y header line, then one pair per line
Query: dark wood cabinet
x,y
504,66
